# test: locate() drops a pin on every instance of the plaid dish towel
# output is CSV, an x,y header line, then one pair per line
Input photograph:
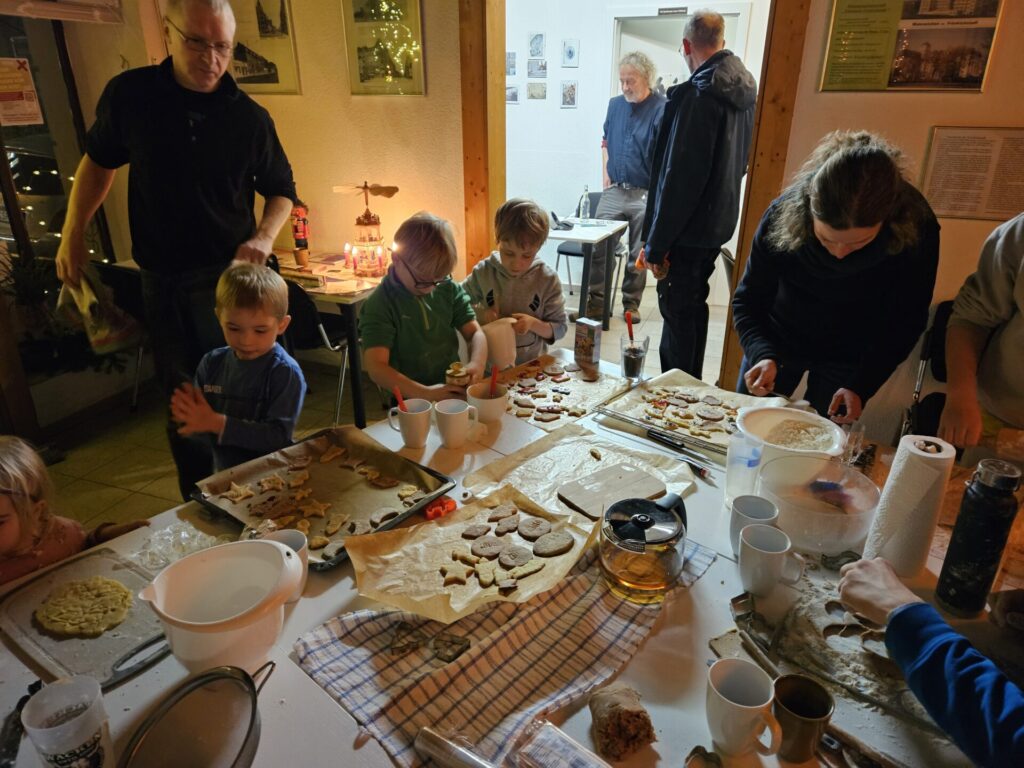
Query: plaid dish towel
x,y
525,660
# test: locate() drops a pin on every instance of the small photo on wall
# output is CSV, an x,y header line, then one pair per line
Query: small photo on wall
x,y
511,94
570,53
536,90
536,67
536,44
569,93
510,63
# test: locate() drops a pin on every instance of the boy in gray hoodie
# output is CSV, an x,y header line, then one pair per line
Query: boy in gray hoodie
x,y
511,282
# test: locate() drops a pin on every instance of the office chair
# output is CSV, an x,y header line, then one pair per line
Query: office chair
x,y
310,330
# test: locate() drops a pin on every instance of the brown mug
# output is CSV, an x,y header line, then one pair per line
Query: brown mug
x,y
803,708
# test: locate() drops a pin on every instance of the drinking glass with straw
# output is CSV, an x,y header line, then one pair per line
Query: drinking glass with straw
x,y
634,351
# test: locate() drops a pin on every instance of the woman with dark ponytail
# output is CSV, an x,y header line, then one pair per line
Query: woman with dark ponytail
x,y
839,278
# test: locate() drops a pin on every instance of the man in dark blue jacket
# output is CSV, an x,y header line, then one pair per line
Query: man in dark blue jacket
x,y
699,158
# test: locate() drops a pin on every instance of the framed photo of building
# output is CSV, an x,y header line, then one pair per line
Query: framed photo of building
x,y
384,43
510,63
264,60
536,91
569,94
511,94
536,67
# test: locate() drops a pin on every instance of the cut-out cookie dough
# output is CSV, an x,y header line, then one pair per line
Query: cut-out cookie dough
x,y
238,492
334,523
271,483
333,452
528,569
475,531
318,542
513,557
462,555
532,528
383,515
298,479
507,525
500,512
456,573
488,546
485,572
553,544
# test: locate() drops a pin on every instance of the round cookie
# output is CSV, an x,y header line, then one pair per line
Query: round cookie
x,y
513,557
710,400
488,546
553,544
709,413
532,528
476,531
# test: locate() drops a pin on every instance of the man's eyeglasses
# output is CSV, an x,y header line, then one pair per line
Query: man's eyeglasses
x,y
198,45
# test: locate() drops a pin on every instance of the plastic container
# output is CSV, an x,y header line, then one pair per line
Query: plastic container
x,y
67,724
824,506
225,605
742,460
759,422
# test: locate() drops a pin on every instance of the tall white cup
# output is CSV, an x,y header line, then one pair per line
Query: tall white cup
x,y
296,541
766,554
749,510
67,724
413,423
453,421
489,409
739,701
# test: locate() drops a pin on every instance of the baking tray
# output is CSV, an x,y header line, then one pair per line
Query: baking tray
x,y
347,491
112,657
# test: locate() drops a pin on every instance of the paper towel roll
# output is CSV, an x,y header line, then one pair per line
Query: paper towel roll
x,y
909,507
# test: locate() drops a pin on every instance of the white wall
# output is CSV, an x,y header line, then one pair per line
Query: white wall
x,y
331,137
906,119
552,152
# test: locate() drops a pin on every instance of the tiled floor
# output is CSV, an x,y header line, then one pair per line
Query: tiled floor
x,y
118,466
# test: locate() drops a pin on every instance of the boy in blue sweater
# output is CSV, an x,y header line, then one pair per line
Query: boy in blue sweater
x,y
246,396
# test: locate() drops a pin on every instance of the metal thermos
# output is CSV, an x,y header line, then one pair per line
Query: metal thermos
x,y
976,547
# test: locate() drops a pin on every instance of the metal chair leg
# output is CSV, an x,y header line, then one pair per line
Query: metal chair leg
x,y
568,272
134,406
341,384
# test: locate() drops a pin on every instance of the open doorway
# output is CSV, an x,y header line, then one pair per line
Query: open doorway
x,y
553,149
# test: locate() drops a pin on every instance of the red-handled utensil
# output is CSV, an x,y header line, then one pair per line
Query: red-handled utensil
x,y
629,324
398,396
494,381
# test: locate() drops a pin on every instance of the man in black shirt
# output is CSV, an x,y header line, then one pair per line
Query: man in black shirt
x,y
198,151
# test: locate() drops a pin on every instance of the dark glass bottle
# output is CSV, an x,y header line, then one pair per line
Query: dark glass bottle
x,y
979,537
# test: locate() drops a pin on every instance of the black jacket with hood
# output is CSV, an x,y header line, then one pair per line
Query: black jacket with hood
x,y
700,156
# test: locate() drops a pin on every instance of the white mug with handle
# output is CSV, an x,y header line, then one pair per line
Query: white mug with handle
x,y
453,421
739,701
765,555
413,422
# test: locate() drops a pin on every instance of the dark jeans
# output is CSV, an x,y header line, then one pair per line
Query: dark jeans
x,y
822,381
182,327
682,299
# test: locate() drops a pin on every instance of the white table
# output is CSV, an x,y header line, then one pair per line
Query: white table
x,y
302,725
590,233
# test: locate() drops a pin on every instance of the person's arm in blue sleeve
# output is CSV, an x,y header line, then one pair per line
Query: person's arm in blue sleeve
x,y
964,692
287,388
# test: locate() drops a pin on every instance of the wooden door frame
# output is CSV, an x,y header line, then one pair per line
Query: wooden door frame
x,y
482,64
776,99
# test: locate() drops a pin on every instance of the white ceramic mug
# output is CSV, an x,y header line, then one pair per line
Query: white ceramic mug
x,y
765,553
489,409
297,543
413,422
749,510
739,701
453,420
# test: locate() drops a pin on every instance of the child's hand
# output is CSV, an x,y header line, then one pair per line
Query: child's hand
x,y
441,392
190,409
524,323
475,371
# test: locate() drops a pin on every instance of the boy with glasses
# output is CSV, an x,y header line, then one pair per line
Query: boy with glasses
x,y
409,326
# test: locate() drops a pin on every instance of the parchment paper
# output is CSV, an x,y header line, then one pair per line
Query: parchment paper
x,y
545,465
633,406
586,395
402,567
347,491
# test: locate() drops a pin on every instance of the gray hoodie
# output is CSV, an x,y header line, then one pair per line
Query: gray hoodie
x,y
495,293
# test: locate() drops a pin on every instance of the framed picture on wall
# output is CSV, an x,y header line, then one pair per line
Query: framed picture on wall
x,y
536,91
384,46
536,45
938,45
510,63
536,67
569,93
511,94
570,53
265,59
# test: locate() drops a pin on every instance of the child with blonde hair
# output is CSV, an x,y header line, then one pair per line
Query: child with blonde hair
x,y
31,536
410,324
512,282
246,396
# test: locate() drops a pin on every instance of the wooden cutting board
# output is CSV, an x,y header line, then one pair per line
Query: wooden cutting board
x,y
594,493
